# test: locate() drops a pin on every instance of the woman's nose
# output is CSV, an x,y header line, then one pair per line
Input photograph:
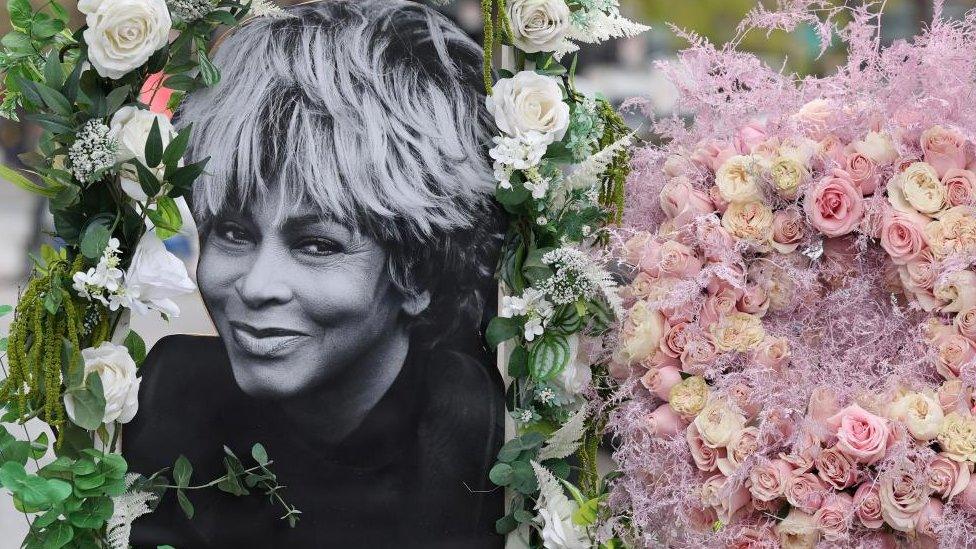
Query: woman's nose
x,y
264,281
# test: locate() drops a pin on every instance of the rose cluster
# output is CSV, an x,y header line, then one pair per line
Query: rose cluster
x,y
756,227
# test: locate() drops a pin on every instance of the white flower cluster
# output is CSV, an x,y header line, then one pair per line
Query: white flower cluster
x,y
93,152
531,304
191,10
520,152
578,277
155,276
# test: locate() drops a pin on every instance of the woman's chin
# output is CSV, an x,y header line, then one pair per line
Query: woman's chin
x,y
268,382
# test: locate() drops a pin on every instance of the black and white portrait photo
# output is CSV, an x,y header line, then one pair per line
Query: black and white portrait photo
x,y
348,240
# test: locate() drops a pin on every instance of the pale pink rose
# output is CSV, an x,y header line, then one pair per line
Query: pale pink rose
x,y
902,235
861,435
718,306
660,381
960,187
918,280
944,149
863,172
832,150
930,520
967,498
743,444
954,396
754,300
717,493
676,260
952,353
965,322
788,230
753,538
750,136
700,518
769,508
867,505
727,277
769,480
834,205
902,497
699,353
821,407
777,427
682,203
674,340
740,395
664,422
718,201
660,360
705,458
641,248
806,448
715,242
806,492
956,291
641,286
813,118
678,165
835,516
773,353
836,469
798,531
712,154
947,477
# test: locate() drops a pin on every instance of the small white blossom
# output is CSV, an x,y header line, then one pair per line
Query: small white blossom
x,y
513,306
541,220
520,152
503,175
533,327
102,279
191,10
93,151
545,395
578,277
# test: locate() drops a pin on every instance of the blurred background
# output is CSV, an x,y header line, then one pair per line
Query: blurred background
x,y
619,69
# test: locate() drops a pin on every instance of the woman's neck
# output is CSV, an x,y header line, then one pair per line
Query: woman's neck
x,y
337,408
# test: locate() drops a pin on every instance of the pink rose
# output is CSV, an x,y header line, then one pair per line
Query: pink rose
x,y
806,448
753,538
660,381
821,407
769,480
699,353
743,444
965,322
717,492
903,236
718,201
700,518
947,477
902,497
834,518
642,250
660,360
954,396
861,435
754,300
967,498
834,205
715,242
773,353
682,203
832,150
943,149
863,172
813,117
740,395
678,165
718,306
930,520
664,422
952,353
836,469
806,492
712,154
788,230
674,340
750,136
676,260
705,458
960,187
867,505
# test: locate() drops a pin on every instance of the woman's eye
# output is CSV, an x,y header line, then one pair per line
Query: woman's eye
x,y
233,233
318,247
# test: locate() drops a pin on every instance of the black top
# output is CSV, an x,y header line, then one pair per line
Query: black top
x,y
414,474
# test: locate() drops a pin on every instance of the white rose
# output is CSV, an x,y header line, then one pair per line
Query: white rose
x,y
878,147
123,34
558,530
917,189
921,413
529,102
155,276
736,179
538,25
117,372
129,128
957,290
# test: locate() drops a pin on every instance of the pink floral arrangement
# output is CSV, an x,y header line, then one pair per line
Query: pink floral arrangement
x,y
798,357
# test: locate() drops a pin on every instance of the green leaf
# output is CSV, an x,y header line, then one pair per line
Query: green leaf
x,y
89,403
13,450
154,145
114,466
116,98
208,71
501,329
53,99
510,451
514,196
506,524
523,478
182,471
174,151
136,346
518,362
34,491
185,504
89,482
586,514
548,357
5,310
147,180
58,535
183,178
20,12
166,217
95,236
94,513
17,42
501,474
522,516
53,73
72,366
46,28
54,123
39,446
259,454
17,179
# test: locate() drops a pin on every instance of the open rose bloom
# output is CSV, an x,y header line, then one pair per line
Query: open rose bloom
x,y
800,339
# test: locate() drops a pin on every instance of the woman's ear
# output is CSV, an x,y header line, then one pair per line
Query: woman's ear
x,y
416,303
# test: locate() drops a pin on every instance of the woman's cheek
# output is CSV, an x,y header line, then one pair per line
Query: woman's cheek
x,y
217,272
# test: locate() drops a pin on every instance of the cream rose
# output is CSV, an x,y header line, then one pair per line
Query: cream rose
x,y
129,128
739,332
718,422
688,397
902,496
736,179
123,34
641,334
798,531
958,437
878,147
538,25
750,221
742,444
529,102
957,291
726,501
789,176
954,232
921,414
917,189
117,372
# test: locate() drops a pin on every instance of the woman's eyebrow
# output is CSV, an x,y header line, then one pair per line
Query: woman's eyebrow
x,y
301,222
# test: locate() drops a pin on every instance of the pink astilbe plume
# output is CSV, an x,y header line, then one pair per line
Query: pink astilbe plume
x,y
797,362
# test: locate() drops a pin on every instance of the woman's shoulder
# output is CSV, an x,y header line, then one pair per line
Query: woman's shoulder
x,y
179,364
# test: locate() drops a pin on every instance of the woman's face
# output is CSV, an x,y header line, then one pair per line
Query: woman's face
x,y
296,302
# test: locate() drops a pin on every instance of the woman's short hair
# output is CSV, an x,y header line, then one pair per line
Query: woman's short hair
x,y
373,112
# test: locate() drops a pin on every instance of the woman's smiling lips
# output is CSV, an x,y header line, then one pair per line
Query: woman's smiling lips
x,y
264,342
